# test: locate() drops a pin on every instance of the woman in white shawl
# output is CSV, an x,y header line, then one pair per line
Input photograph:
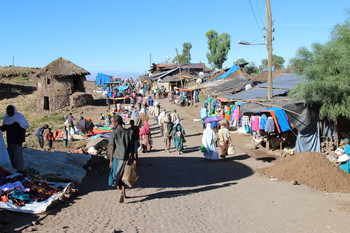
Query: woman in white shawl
x,y
15,125
208,141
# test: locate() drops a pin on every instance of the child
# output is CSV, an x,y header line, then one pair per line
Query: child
x,y
49,138
65,137
102,117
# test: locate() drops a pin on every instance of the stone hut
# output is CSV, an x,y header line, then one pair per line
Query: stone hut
x,y
61,84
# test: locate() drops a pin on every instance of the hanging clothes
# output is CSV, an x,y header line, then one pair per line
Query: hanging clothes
x,y
270,125
255,123
263,120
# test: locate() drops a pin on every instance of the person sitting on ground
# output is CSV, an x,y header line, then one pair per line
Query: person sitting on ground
x,y
345,159
49,138
15,125
40,135
101,117
224,139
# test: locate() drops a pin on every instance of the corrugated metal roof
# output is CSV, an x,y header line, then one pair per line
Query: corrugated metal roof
x,y
255,93
285,81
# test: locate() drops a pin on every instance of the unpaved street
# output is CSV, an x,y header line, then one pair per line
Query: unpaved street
x,y
186,193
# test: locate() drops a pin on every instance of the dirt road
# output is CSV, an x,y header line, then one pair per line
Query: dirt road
x,y
186,193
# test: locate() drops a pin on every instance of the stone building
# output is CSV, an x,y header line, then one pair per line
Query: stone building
x,y
61,84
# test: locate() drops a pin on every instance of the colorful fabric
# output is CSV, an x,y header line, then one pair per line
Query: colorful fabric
x,y
255,124
263,120
245,120
270,125
236,114
179,135
145,129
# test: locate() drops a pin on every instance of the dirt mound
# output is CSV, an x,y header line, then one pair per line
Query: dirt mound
x,y
311,169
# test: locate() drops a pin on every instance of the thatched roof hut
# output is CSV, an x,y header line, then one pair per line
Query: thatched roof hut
x,y
262,76
62,68
57,82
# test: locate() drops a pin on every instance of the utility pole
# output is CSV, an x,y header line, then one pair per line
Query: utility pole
x,y
13,60
150,61
178,62
269,48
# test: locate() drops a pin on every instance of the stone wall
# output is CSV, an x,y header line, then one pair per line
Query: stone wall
x,y
79,99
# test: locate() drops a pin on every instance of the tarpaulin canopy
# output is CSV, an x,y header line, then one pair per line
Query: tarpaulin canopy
x,y
227,73
101,79
280,118
122,87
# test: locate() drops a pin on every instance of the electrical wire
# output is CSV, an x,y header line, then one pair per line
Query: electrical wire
x,y
257,6
256,20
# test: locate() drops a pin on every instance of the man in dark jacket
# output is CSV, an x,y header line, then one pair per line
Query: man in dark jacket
x,y
119,149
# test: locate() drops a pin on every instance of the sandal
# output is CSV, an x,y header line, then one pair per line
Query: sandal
x,y
121,198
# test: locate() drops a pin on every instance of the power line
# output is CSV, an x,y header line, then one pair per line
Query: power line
x,y
256,20
257,6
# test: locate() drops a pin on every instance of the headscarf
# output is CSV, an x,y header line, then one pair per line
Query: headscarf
x,y
17,117
144,129
208,135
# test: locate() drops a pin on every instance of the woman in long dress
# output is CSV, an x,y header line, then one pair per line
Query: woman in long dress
x,y
145,137
179,136
208,141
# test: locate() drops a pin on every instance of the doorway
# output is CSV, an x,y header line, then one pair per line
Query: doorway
x,y
46,103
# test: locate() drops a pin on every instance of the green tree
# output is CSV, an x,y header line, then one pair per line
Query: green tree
x,y
219,46
326,70
276,61
185,57
240,61
251,68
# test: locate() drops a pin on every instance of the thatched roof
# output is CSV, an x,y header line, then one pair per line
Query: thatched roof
x,y
237,74
62,68
262,76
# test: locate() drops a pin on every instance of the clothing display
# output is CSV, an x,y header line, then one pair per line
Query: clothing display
x,y
4,156
255,124
263,120
270,125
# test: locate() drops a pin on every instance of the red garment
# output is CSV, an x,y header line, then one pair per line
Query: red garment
x,y
49,136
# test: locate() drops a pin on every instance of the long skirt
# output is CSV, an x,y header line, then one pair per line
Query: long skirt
x,y
145,141
178,143
224,148
116,173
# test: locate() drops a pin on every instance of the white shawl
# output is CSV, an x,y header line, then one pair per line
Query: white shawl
x,y
17,117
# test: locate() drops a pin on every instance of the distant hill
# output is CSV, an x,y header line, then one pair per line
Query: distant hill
x,y
14,71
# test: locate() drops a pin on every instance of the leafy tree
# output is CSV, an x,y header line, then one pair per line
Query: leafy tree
x,y
219,46
276,61
251,68
185,57
326,70
240,61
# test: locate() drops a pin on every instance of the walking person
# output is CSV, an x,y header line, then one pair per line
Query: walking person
x,y
208,141
135,131
70,122
224,139
65,137
49,138
15,125
119,153
166,127
145,137
179,136
174,116
40,135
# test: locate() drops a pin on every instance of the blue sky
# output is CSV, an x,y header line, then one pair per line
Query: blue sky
x,y
113,35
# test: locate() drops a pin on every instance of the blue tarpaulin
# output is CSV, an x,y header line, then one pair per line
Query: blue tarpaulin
x,y
122,87
230,71
281,117
267,69
101,79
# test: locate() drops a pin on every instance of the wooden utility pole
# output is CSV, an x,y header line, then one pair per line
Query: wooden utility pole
x,y
178,62
269,48
150,61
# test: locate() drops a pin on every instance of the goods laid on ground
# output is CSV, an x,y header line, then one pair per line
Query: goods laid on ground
x,y
28,192
312,169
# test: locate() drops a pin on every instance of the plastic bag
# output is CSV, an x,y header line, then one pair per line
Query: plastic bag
x,y
231,150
